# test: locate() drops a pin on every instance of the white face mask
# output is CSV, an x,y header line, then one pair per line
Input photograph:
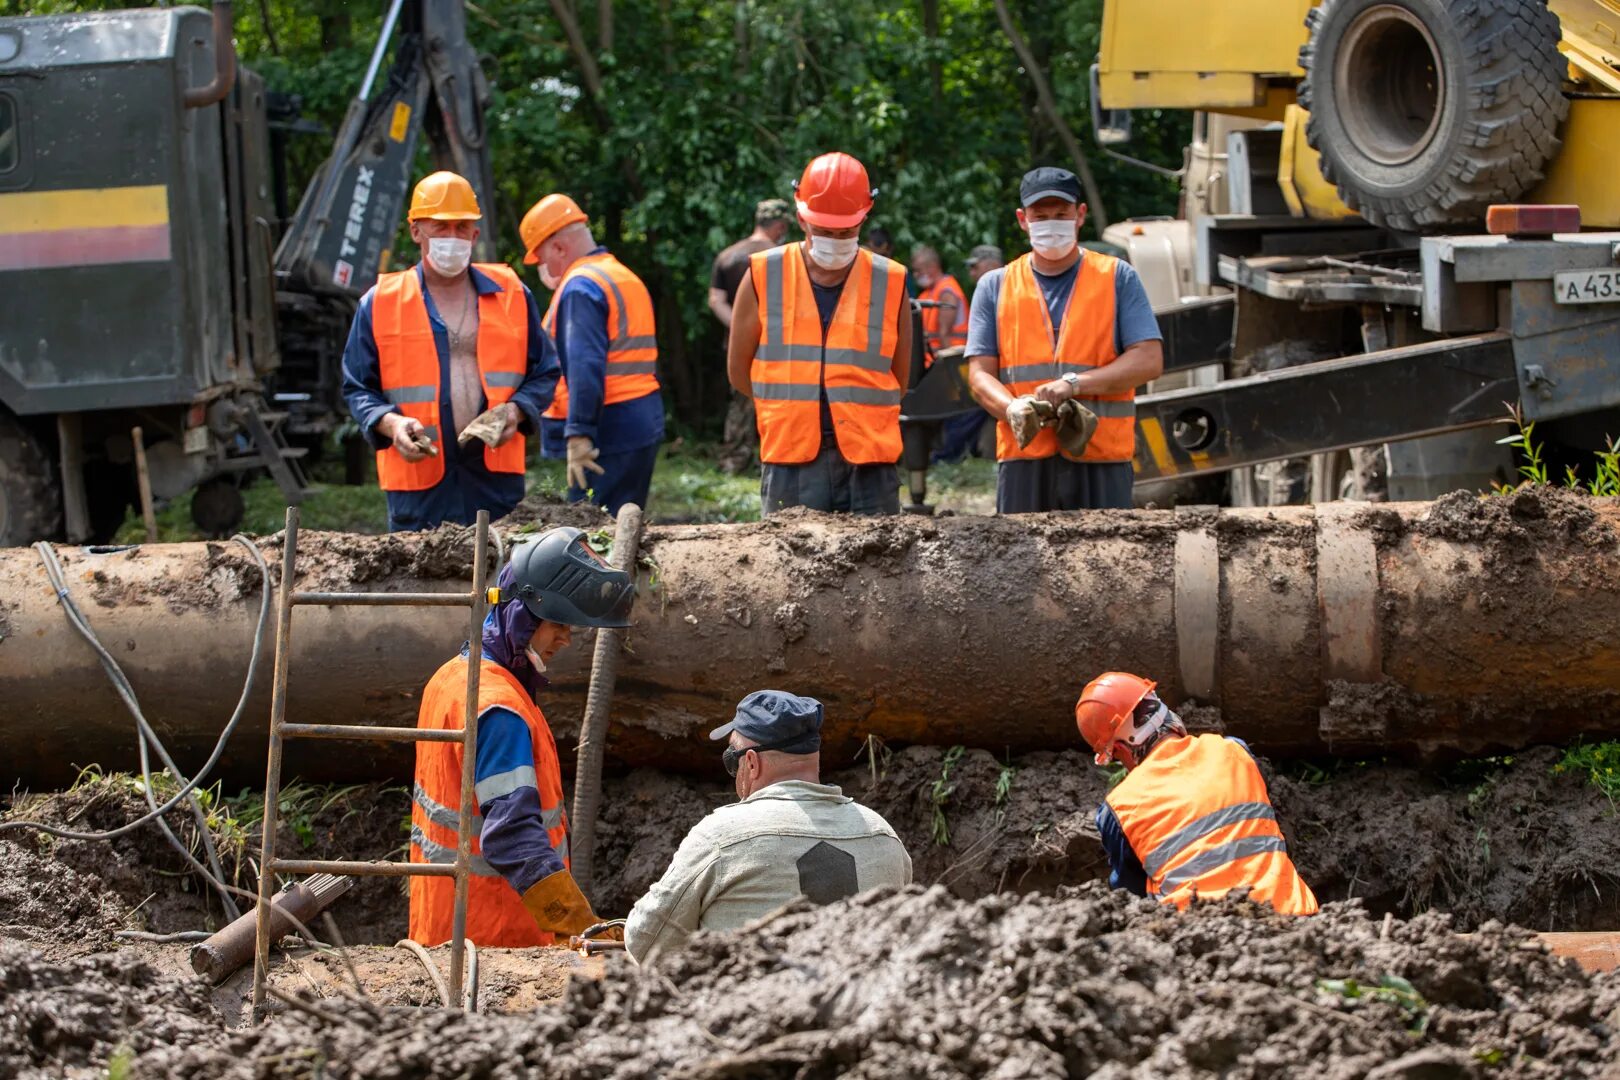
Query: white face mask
x,y
449,255
534,659
1053,239
832,253
548,279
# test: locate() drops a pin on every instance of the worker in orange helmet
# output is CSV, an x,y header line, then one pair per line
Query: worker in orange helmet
x,y
1191,817
821,341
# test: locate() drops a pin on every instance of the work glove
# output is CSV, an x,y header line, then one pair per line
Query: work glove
x,y
1024,419
558,907
1076,424
492,426
582,455
411,439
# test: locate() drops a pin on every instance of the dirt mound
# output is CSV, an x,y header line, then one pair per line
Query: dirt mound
x,y
1506,839
70,1018
43,900
1090,982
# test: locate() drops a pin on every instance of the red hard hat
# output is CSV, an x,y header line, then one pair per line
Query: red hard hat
x,y
1106,705
834,192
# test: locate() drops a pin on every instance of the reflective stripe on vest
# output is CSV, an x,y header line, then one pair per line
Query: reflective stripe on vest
x,y
956,334
793,361
495,912
632,352
1030,353
408,363
1197,814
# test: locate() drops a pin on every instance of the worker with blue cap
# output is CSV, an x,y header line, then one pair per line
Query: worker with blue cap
x,y
789,837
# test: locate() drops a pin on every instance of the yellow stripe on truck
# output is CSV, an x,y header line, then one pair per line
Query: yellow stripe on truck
x,y
1157,445
84,208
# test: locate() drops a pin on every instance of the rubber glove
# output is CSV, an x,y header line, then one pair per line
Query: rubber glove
x,y
582,455
557,906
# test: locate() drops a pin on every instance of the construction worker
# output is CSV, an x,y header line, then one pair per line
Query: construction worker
x,y
1191,817
983,259
772,218
602,319
945,311
790,836
1061,324
521,892
454,347
821,341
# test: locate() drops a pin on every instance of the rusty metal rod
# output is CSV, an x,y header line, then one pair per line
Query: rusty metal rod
x,y
218,957
469,752
374,868
359,731
404,599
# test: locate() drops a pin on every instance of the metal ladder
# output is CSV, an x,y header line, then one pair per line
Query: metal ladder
x,y
280,730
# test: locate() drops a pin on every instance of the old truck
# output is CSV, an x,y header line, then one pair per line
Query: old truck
x,y
147,279
1396,221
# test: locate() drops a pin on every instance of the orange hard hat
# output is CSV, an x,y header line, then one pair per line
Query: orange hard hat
x,y
1106,706
543,220
444,196
834,192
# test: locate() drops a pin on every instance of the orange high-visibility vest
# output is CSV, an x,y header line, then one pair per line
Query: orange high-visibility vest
x,y
495,912
1197,814
1030,354
792,362
409,364
632,356
956,333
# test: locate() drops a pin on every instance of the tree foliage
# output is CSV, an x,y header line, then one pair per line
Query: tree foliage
x,y
707,106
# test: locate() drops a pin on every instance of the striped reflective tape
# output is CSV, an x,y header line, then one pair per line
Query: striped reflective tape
x,y
493,787
786,392
862,395
1217,857
442,815
411,395
511,379
1177,841
438,853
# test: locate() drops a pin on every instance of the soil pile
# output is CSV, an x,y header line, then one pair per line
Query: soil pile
x,y
1089,982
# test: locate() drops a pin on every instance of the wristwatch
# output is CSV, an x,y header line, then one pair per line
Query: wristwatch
x,y
1072,379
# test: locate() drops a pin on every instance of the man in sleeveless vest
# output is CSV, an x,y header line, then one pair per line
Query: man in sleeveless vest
x,y
1061,324
608,406
946,324
788,836
521,892
821,340
437,347
1192,817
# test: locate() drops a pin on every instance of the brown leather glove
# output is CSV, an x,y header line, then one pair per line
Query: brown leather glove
x,y
557,905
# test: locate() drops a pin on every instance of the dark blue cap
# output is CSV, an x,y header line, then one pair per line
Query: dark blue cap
x,y
1048,182
787,721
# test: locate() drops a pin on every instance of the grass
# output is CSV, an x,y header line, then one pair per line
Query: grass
x,y
687,486
940,794
1391,989
1605,479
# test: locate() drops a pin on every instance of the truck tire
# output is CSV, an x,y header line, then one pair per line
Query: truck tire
x,y
30,500
1425,112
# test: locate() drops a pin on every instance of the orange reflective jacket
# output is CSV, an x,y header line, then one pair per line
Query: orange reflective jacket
x,y
1031,354
1197,814
632,356
495,913
792,362
408,361
945,286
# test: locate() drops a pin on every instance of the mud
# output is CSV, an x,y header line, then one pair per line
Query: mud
x,y
1087,983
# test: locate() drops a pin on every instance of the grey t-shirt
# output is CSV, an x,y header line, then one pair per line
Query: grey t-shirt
x,y
1133,314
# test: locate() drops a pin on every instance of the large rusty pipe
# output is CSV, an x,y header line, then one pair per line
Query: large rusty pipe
x,y
1463,626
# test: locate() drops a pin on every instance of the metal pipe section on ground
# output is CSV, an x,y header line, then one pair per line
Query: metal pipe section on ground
x,y
1464,626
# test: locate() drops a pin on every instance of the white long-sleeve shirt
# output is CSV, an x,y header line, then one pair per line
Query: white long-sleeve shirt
x,y
745,860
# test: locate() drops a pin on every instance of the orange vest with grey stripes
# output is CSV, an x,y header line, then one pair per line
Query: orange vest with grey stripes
x,y
1031,353
793,362
632,356
495,913
1197,814
408,361
956,333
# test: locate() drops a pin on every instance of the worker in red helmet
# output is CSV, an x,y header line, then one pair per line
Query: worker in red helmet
x,y
821,341
1191,817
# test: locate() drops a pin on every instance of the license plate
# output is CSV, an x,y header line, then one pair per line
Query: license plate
x,y
1587,287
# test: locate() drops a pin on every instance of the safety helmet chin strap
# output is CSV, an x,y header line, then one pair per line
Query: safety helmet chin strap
x,y
1146,731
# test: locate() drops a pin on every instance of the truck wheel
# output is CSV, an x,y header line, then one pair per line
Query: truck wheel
x,y
1426,112
30,500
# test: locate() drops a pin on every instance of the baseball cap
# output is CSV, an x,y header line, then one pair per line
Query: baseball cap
x,y
790,722
1048,182
772,210
984,252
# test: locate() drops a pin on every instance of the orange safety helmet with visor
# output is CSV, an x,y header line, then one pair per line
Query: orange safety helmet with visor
x,y
1118,715
834,192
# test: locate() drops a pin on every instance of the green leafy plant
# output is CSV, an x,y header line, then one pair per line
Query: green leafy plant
x,y
1596,763
1534,467
1391,989
940,794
